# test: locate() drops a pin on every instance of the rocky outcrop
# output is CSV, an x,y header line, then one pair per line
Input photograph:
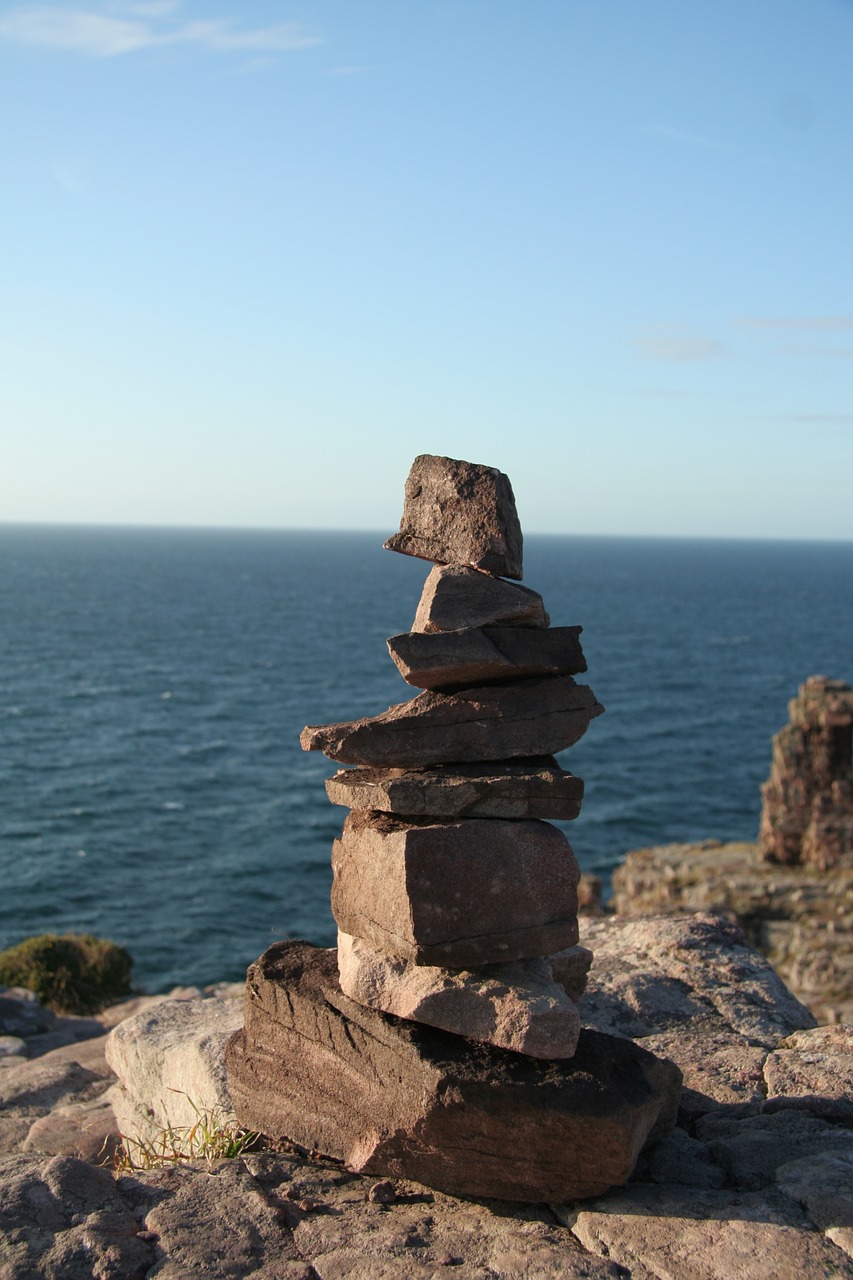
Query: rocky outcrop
x,y
800,918
807,814
755,1181
792,892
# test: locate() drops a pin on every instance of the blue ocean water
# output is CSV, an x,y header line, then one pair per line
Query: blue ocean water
x,y
154,684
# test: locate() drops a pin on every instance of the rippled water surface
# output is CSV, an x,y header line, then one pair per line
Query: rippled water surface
x,y
154,684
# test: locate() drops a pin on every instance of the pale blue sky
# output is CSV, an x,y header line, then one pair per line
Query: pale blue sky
x,y
258,255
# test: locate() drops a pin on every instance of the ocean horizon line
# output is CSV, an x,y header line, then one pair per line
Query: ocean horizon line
x,y
169,527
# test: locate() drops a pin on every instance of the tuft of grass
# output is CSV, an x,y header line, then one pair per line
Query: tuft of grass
x,y
70,973
211,1137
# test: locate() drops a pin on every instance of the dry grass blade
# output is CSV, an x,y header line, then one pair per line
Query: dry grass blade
x,y
213,1136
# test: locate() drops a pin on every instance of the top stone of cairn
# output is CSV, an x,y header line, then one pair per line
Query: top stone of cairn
x,y
460,513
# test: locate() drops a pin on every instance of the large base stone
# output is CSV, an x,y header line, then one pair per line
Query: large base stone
x,y
402,1100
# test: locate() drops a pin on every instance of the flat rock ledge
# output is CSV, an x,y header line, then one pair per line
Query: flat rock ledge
x,y
755,1181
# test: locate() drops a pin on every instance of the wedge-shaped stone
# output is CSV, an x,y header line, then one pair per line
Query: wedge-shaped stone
x,y
458,512
398,1099
477,891
488,722
455,596
433,659
515,1006
536,788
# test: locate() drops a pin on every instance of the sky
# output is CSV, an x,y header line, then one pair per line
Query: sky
x,y
255,256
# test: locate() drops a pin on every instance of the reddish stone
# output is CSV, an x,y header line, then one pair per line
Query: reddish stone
x,y
460,513
456,596
489,722
477,891
536,788
396,1099
473,655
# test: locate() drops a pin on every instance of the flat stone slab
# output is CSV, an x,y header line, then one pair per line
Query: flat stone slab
x,y
690,987
536,788
476,891
813,1069
690,1234
398,1099
473,655
516,1006
288,1217
456,597
457,512
489,722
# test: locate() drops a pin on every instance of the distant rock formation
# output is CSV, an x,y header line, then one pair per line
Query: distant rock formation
x,y
807,815
792,892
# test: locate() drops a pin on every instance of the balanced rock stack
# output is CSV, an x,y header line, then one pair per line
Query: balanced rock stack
x,y
442,1041
449,889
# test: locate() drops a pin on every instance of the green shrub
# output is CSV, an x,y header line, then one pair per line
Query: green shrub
x,y
70,973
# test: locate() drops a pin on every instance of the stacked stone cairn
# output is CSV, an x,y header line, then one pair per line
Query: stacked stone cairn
x,y
441,1041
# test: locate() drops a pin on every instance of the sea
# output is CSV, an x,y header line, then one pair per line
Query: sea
x,y
154,683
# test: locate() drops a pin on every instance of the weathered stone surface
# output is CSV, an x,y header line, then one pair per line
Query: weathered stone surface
x,y
456,598
85,1129
570,968
536,788
695,973
813,1069
679,1160
691,988
807,814
752,1149
799,917
398,1099
822,1184
514,1006
76,1073
223,1218
21,1013
665,1233
169,1060
459,512
476,891
489,722
473,655
342,1235
64,1219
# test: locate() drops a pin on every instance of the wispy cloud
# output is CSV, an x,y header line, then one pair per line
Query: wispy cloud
x,y
676,342
811,323
132,27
